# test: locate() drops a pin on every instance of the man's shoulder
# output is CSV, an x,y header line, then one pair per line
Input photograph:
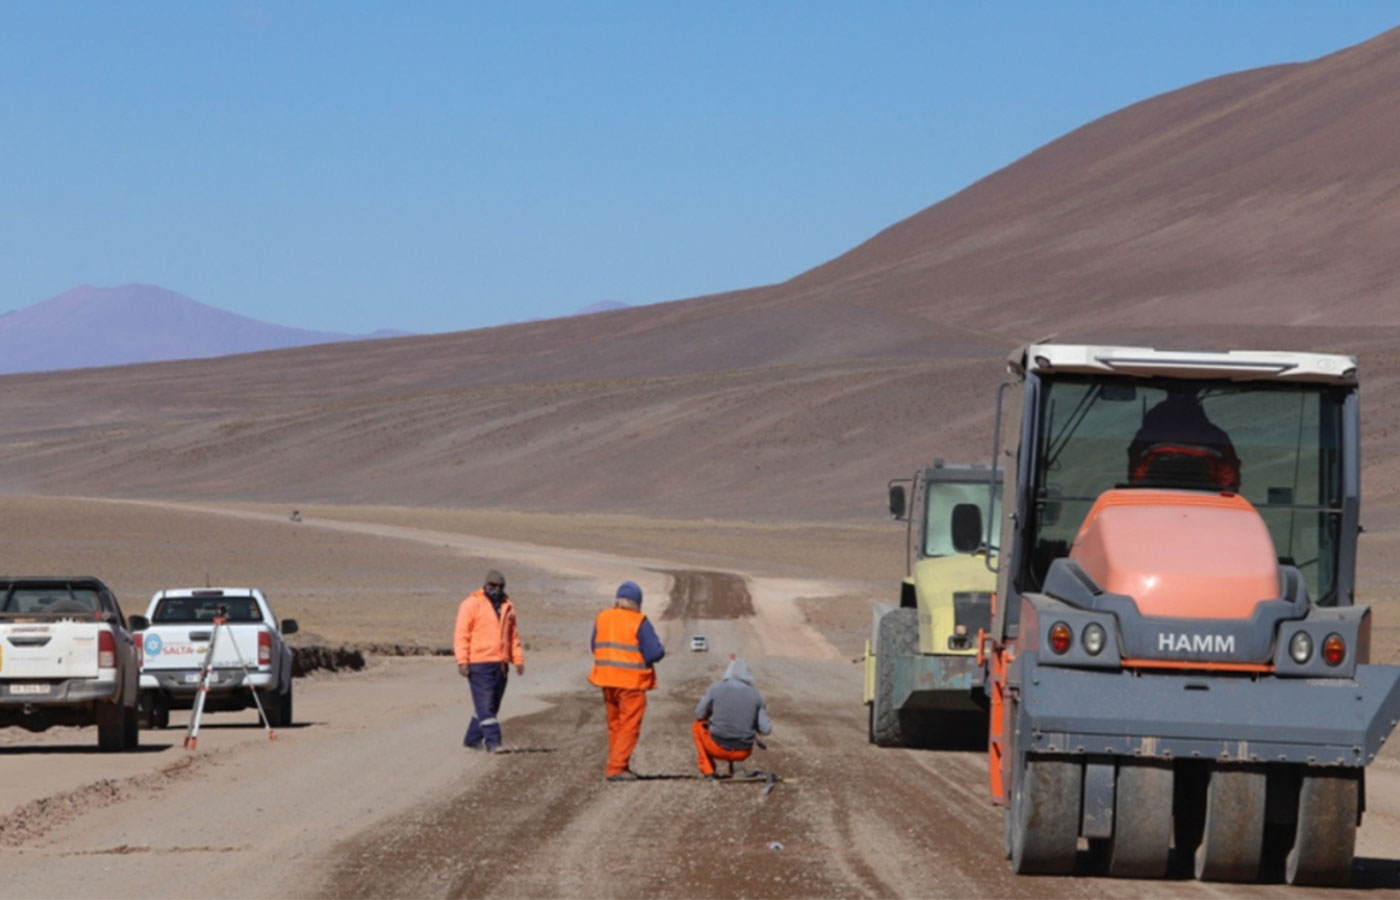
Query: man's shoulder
x,y
474,599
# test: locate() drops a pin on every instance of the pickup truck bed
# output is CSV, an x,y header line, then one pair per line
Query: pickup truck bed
x,y
67,658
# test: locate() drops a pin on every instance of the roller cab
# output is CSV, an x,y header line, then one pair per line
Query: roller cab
x,y
923,682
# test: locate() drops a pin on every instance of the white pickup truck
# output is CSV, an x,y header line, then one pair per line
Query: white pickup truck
x,y
249,654
67,658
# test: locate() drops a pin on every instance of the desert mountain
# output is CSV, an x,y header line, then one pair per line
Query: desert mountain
x,y
1259,210
94,326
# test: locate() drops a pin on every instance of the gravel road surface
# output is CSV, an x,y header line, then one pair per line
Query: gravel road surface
x,y
371,793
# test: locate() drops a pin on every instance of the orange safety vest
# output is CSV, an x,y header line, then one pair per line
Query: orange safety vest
x,y
617,652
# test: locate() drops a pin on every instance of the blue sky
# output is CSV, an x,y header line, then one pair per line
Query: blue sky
x,y
431,166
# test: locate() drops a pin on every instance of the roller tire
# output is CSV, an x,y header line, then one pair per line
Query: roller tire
x,y
1142,820
898,635
1232,843
1045,811
1325,841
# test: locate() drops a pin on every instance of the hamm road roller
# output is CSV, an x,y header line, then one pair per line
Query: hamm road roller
x,y
1176,669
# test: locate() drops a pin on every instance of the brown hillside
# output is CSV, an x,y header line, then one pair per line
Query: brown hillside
x,y
1255,210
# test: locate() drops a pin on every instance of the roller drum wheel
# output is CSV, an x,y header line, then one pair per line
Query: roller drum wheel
x,y
898,635
1325,841
1233,839
1142,820
1045,810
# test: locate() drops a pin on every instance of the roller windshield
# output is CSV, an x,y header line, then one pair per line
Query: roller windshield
x,y
1278,445
942,498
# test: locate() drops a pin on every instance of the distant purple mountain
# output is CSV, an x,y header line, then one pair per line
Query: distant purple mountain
x,y
601,306
94,326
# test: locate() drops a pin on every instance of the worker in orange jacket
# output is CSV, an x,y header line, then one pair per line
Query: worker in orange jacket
x,y
486,643
625,647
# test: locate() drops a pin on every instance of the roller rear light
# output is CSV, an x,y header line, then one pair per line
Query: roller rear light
x,y
264,648
1301,648
1061,637
1094,638
106,650
1334,650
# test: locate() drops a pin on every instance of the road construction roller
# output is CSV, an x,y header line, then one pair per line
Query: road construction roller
x,y
923,685
1177,672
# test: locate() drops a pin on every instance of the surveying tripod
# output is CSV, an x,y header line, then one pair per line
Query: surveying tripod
x,y
206,674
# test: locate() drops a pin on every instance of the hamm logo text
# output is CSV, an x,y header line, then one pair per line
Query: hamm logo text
x,y
1195,643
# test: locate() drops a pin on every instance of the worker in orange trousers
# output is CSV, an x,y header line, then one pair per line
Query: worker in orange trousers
x,y
729,719
625,648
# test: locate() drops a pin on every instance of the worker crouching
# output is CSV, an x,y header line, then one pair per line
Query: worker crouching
x,y
625,647
729,719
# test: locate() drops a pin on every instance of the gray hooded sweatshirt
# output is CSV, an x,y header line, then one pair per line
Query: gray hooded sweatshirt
x,y
735,709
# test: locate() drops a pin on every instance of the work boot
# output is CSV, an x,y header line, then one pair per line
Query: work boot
x,y
624,775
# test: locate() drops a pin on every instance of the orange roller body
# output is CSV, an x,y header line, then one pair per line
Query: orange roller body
x,y
1179,554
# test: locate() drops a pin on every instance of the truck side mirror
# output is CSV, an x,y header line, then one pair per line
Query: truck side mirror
x,y
138,623
967,527
289,626
897,507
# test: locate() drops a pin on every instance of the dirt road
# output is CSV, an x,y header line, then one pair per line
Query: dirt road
x,y
373,795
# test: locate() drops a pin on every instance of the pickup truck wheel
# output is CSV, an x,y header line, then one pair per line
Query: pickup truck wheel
x,y
278,708
160,715
144,705
111,727
131,727
154,711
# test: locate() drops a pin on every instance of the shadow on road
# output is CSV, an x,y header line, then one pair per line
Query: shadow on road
x,y
27,749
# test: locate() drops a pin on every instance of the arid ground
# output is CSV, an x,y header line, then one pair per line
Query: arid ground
x,y
370,793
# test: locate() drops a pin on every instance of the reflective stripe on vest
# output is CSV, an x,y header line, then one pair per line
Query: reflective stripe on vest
x,y
617,652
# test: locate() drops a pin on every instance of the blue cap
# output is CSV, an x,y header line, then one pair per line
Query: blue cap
x,y
628,590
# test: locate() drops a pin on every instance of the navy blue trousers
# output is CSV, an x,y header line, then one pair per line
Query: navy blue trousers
x,y
488,683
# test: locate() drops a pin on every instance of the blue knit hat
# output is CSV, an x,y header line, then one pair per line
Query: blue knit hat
x,y
628,590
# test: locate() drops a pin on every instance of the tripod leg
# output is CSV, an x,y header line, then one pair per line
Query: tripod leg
x,y
257,701
206,672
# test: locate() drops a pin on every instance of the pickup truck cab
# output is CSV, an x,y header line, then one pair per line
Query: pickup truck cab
x,y
67,658
249,653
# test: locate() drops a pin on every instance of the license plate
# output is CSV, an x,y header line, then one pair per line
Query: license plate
x,y
191,678
29,688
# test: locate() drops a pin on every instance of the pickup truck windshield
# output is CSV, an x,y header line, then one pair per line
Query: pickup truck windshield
x,y
28,601
204,609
